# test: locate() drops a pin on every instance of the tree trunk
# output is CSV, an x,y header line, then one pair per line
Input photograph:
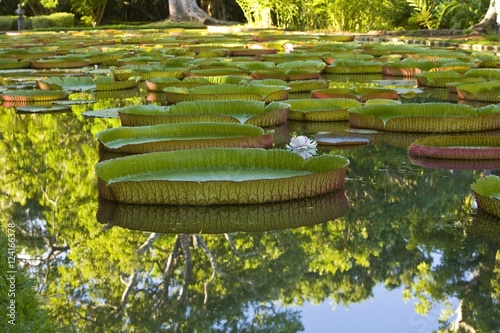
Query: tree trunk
x,y
188,10
491,19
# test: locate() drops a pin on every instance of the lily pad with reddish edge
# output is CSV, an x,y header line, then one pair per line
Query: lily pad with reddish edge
x,y
460,147
426,117
33,95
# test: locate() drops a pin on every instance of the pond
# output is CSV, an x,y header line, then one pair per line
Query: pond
x,y
403,249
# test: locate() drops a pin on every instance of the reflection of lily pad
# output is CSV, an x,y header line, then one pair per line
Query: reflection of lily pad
x,y
145,139
449,164
225,219
218,176
486,226
457,147
487,193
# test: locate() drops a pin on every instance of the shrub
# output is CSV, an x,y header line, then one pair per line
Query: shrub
x,y
6,23
59,20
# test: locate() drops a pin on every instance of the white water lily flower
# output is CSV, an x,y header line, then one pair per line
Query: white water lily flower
x,y
303,146
301,143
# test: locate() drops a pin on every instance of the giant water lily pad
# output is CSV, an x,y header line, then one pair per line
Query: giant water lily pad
x,y
145,139
225,219
437,79
324,109
359,93
426,117
254,92
487,193
218,176
486,91
463,147
348,66
240,111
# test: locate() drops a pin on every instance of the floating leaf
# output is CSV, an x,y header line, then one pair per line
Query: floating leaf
x,y
144,139
486,91
457,147
487,193
426,117
41,109
218,176
325,109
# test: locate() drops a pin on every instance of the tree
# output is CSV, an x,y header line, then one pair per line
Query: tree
x,y
188,10
491,19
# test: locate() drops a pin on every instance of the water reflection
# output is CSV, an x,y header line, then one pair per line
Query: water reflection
x,y
151,269
225,219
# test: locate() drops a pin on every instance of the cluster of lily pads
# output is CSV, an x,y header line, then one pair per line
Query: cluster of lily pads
x,y
213,102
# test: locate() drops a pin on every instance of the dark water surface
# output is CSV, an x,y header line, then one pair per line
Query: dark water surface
x,y
402,248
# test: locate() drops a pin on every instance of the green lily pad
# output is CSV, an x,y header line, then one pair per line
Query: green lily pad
x,y
218,176
425,117
240,111
462,147
323,109
487,193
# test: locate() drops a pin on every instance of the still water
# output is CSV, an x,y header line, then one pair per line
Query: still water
x,y
402,249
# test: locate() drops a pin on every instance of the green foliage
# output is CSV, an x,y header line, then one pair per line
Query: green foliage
x,y
465,14
91,11
49,4
56,20
429,14
6,23
17,291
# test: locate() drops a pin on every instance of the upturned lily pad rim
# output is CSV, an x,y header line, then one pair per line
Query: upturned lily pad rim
x,y
162,137
488,186
461,147
487,193
303,178
426,117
